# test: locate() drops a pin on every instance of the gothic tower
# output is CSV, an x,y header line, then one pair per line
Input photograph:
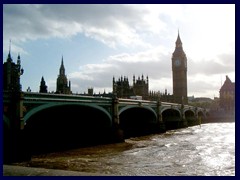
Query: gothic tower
x,y
179,69
43,86
62,82
11,74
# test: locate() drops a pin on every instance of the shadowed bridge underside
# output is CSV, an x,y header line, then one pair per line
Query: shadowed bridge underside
x,y
171,117
137,121
66,126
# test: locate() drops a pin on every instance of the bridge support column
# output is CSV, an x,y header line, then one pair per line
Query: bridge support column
x,y
184,122
117,131
162,127
16,141
197,118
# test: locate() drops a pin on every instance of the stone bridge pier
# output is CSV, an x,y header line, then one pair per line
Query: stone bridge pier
x,y
118,135
15,148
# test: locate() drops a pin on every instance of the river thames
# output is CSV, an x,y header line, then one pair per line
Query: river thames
x,y
206,150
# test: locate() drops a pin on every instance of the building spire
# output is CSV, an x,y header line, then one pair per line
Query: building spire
x,y
10,45
62,69
43,86
178,42
62,61
9,58
18,59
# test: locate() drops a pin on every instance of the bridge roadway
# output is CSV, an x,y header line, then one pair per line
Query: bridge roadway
x,y
58,120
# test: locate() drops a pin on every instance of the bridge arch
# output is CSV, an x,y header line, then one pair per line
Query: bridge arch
x,y
56,126
137,121
171,114
49,105
189,114
170,108
172,118
135,106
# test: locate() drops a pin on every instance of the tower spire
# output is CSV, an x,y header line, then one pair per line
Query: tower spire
x,y
62,69
10,45
18,59
9,59
62,61
178,42
43,86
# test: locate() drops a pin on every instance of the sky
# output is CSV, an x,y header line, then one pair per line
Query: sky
x,y
99,42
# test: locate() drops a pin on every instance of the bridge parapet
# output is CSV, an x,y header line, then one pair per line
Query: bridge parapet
x,y
64,98
43,98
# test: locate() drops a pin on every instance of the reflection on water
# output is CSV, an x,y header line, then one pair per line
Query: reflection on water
x,y
205,150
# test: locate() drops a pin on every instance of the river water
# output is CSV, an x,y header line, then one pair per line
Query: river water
x,y
208,149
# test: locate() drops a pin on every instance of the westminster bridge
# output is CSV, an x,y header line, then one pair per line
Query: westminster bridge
x,y
40,121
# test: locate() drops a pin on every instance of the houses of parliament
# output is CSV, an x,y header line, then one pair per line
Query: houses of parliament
x,y
121,87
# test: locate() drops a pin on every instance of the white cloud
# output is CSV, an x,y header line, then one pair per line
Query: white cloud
x,y
151,55
207,33
95,21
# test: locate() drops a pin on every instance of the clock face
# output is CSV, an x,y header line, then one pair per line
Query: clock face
x,y
177,62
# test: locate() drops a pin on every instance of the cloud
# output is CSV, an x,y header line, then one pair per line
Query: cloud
x,y
142,35
112,25
222,63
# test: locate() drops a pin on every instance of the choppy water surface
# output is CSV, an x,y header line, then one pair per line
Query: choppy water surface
x,y
205,150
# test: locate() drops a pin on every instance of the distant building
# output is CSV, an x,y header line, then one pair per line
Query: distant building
x,y
124,90
165,96
63,86
227,95
190,99
202,100
90,91
141,87
11,74
43,86
139,90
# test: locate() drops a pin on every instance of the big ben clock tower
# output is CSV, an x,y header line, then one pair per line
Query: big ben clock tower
x,y
179,69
